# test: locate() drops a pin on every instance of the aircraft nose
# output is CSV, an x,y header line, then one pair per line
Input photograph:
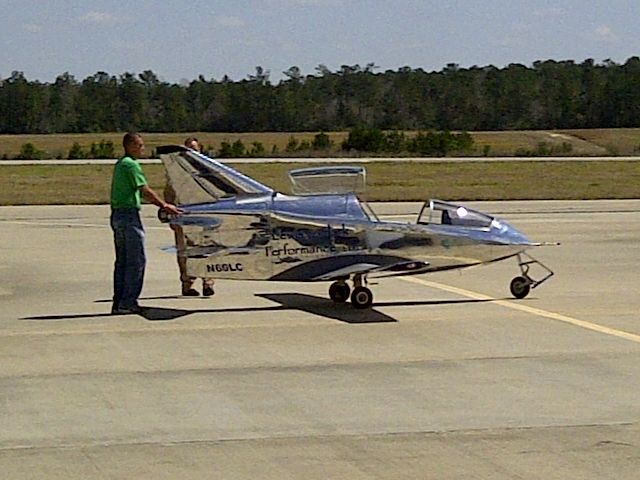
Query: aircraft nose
x,y
509,234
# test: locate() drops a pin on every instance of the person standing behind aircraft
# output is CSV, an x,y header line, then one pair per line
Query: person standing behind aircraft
x,y
128,184
186,281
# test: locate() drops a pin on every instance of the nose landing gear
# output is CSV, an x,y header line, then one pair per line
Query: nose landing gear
x,y
521,285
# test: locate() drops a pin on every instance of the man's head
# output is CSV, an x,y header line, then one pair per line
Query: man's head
x,y
133,144
192,143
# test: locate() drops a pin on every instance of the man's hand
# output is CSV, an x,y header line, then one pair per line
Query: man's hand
x,y
171,208
153,197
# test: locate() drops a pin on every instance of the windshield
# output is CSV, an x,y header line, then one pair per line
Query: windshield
x,y
328,180
435,212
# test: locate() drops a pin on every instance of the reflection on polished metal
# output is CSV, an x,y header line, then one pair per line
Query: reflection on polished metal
x,y
237,228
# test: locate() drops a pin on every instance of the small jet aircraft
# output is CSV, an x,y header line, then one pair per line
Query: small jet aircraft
x,y
237,228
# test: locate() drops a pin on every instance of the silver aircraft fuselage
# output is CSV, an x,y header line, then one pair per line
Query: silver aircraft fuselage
x,y
310,238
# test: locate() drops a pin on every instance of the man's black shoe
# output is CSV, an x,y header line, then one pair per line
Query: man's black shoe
x,y
207,291
126,311
190,292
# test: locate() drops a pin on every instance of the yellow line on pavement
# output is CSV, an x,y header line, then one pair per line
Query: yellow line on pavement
x,y
527,309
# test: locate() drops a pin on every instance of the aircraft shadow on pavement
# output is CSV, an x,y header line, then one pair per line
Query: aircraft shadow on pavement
x,y
324,307
287,301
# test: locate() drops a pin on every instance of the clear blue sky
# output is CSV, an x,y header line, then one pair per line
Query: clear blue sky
x,y
180,40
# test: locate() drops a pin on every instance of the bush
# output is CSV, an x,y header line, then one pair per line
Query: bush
x,y
104,149
292,145
321,142
396,142
439,143
76,152
365,140
231,150
304,145
463,141
225,150
566,147
257,150
29,152
543,149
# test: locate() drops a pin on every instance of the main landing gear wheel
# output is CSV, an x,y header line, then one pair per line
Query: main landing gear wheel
x,y
520,287
339,292
361,297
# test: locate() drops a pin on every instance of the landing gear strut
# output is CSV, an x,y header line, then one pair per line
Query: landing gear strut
x,y
521,285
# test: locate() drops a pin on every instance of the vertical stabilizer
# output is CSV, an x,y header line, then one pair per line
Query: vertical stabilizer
x,y
197,178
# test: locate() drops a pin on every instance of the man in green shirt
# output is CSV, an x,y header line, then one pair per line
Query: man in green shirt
x,y
127,186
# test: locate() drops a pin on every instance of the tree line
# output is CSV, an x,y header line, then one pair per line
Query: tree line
x,y
547,95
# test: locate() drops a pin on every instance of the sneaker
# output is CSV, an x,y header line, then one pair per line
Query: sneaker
x,y
190,292
207,291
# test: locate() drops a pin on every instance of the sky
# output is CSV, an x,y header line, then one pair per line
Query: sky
x,y
180,40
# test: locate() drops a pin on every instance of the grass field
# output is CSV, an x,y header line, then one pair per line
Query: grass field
x,y
595,142
58,145
388,181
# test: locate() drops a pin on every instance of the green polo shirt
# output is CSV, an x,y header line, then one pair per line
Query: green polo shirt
x,y
126,182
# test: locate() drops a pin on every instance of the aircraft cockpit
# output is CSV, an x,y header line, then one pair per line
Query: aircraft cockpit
x,y
436,212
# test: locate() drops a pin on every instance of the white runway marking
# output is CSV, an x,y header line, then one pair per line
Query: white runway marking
x,y
527,309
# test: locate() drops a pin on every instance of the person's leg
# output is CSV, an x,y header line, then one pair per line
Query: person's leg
x,y
120,262
207,287
186,281
135,262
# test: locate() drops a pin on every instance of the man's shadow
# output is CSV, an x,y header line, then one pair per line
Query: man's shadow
x,y
343,312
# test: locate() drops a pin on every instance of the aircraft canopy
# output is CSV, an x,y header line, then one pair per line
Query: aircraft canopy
x,y
328,180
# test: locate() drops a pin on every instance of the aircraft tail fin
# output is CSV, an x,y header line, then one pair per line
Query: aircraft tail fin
x,y
197,178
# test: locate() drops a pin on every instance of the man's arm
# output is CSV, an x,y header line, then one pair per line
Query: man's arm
x,y
151,196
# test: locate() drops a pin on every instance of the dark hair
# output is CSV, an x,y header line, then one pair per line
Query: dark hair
x,y
129,138
188,140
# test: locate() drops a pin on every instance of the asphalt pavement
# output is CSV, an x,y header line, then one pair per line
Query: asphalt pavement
x,y
446,377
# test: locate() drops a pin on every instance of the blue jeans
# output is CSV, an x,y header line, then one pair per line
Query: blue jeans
x,y
128,272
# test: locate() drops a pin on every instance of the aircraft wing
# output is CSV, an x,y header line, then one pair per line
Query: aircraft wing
x,y
396,269
348,271
345,265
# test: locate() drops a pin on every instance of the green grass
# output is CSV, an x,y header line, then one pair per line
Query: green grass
x,y
387,181
58,145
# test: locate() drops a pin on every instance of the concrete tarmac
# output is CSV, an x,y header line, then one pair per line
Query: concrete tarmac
x,y
447,377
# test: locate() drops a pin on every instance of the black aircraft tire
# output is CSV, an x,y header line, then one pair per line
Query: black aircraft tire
x,y
339,292
361,297
520,287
